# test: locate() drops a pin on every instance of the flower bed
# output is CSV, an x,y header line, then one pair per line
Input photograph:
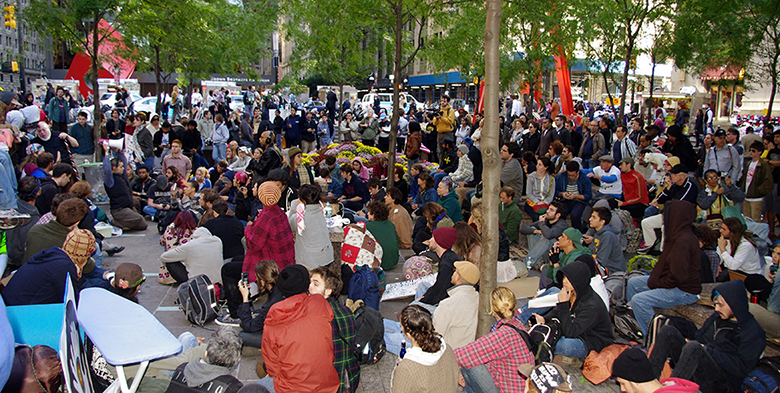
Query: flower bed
x,y
348,151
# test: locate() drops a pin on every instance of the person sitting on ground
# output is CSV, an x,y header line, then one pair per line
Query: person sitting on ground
x,y
476,222
300,174
355,191
737,250
119,192
448,160
375,189
635,198
583,317
509,215
606,242
414,186
634,374
608,175
217,372
207,197
456,316
769,317
429,365
543,233
127,281
307,222
400,217
228,229
158,198
541,189
427,193
281,178
432,217
41,280
190,199
449,200
16,239
675,279
202,254
441,244
716,194
53,233
575,191
384,232
253,321
710,259
359,169
493,359
335,188
681,188
724,350
465,171
179,232
298,338
468,244
326,283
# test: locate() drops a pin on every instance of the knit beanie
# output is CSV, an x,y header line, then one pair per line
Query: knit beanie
x,y
268,193
445,237
293,279
463,149
79,245
162,182
633,365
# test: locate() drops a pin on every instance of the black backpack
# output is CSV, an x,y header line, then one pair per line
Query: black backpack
x,y
369,335
541,339
220,384
197,300
626,325
165,218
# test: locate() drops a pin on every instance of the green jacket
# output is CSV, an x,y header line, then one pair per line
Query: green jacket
x,y
510,218
385,234
369,133
450,203
762,180
564,260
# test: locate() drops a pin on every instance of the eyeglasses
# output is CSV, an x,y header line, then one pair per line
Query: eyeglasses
x,y
753,151
712,178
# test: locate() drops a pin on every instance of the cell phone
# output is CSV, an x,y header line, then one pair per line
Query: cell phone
x,y
245,278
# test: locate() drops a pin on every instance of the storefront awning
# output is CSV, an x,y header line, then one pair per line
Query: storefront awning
x,y
723,73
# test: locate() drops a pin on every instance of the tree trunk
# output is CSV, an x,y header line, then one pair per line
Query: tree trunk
x,y
609,93
492,166
772,94
398,12
96,90
157,78
624,88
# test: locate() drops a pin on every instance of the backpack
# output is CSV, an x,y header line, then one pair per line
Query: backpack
x,y
765,378
684,326
631,234
642,262
165,218
625,322
541,339
34,370
364,285
369,335
220,384
198,300
616,283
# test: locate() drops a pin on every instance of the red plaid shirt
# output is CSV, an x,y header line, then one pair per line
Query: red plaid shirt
x,y
503,350
269,238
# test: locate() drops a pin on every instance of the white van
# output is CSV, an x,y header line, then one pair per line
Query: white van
x,y
386,101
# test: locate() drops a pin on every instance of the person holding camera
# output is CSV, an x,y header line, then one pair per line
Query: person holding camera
x,y
444,122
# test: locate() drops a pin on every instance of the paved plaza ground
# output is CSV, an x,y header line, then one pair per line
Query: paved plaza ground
x,y
144,249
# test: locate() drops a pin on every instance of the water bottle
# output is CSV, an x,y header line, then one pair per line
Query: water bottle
x,y
328,210
403,349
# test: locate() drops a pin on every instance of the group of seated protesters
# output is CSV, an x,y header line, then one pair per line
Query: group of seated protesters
x,y
268,222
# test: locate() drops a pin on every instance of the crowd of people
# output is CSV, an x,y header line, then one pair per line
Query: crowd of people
x,y
583,194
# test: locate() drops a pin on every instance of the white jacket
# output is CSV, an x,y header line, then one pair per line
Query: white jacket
x,y
202,254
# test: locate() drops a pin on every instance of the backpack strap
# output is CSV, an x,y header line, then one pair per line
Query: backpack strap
x,y
523,334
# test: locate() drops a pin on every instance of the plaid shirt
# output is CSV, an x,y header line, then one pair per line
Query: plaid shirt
x,y
269,238
344,346
503,350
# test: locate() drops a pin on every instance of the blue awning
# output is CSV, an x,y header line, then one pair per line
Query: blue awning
x,y
436,79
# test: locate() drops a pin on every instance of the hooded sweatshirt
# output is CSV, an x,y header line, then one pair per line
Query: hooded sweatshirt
x,y
679,263
586,319
677,385
609,252
421,371
199,372
736,346
298,345
202,254
42,279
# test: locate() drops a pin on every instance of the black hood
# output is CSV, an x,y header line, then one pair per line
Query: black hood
x,y
678,217
735,294
578,274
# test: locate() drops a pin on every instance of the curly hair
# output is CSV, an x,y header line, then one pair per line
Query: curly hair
x,y
379,210
81,188
417,322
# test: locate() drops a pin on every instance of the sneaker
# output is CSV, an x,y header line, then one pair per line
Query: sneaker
x,y
227,321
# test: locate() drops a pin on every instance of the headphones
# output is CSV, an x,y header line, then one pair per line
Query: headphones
x,y
270,138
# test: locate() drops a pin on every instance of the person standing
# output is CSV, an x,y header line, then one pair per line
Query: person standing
x,y
219,138
756,182
120,193
59,107
444,122
724,158
85,149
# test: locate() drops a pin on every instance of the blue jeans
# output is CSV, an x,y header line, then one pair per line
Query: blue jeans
x,y
588,163
643,299
149,210
438,176
479,380
526,314
7,182
531,212
394,337
571,347
98,256
268,383
149,162
470,194
197,162
219,152
773,304
188,341
575,209
651,211
420,292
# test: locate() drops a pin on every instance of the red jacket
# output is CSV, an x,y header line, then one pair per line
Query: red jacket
x,y
634,188
298,345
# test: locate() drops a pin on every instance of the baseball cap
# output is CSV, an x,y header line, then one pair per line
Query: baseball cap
x,y
628,160
607,158
679,168
468,271
128,275
9,97
720,132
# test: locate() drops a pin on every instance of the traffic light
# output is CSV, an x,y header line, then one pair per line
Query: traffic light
x,y
10,16
14,66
